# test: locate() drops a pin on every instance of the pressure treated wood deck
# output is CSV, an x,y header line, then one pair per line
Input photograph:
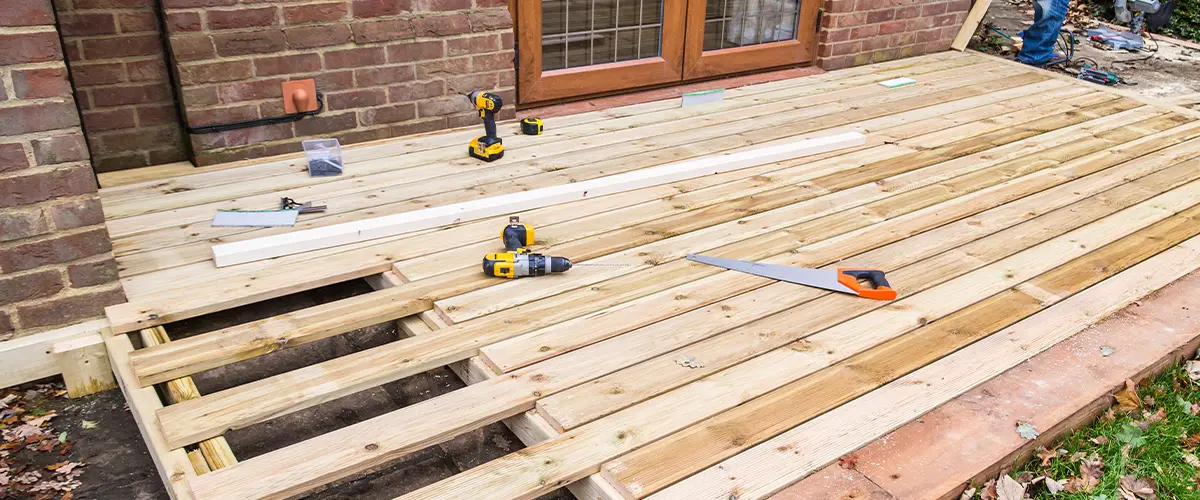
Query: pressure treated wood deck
x,y
1010,207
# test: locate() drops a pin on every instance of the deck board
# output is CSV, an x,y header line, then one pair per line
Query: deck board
x,y
995,195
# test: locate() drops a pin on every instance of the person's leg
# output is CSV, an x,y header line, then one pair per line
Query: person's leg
x,y
1038,42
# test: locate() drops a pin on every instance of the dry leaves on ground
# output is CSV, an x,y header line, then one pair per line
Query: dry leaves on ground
x,y
27,434
1047,456
1127,398
1133,488
1008,488
1027,430
848,461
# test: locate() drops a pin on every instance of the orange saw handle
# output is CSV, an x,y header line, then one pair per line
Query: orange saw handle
x,y
880,289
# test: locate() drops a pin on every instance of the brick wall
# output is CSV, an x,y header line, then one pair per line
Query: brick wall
x,y
56,264
386,67
120,73
857,32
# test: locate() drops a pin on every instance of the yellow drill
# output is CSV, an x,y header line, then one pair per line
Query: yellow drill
x,y
487,147
521,263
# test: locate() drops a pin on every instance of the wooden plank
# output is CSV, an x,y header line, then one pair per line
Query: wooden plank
x,y
970,24
144,174
188,301
216,451
778,462
259,400
481,400
173,465
353,232
539,469
664,462
84,365
29,358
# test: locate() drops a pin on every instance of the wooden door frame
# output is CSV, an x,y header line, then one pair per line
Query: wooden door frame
x,y
701,64
535,85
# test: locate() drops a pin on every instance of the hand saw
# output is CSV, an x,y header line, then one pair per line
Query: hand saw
x,y
842,280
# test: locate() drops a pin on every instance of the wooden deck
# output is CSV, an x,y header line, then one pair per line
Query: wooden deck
x,y
1011,208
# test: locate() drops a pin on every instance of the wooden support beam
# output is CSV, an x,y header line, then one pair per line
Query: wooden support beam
x,y
33,357
84,365
970,24
381,227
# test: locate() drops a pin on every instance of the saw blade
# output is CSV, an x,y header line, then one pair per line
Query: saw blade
x,y
826,279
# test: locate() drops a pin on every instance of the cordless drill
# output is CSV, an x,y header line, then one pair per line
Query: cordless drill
x,y
521,263
487,147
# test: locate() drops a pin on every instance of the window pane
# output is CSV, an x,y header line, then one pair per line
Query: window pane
x,y
738,23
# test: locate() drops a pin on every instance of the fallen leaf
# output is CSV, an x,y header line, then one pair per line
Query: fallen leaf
x,y
1106,351
1100,440
1127,398
1027,430
1109,416
1046,455
1008,488
1133,488
1131,435
1077,456
848,461
57,465
62,437
1093,468
967,494
1193,369
1054,487
988,492
1149,419
1192,441
88,424
1191,460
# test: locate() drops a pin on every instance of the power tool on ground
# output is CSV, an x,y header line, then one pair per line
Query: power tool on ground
x,y
487,147
520,263
516,235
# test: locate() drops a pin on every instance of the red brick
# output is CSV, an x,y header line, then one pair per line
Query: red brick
x,y
444,106
252,42
876,43
59,249
507,78
109,119
92,273
125,46
134,22
443,67
489,20
60,149
934,9
37,117
356,99
134,140
465,120
71,24
112,4
77,213
859,33
6,326
841,49
439,26
354,58
472,45
213,116
136,94
206,158
891,27
157,114
26,13
161,156
183,21
850,19
958,6
946,20
21,224
858,5
325,124
918,24
36,285
440,5
151,70
414,51
418,90
483,4
334,80
927,35
184,4
507,40
378,8
383,76
192,47
466,83
419,126
199,97
39,83
12,158
282,65
119,162
879,16
86,75
30,47
383,31
251,91
68,309
242,18
492,62
317,36
389,114
243,137
363,136
314,13
223,71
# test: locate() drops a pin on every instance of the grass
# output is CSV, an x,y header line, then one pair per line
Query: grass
x,y
1158,452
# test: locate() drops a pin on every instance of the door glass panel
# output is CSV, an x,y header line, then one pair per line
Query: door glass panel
x,y
585,32
738,23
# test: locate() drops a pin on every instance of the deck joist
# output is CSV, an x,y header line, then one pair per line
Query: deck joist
x,y
1010,207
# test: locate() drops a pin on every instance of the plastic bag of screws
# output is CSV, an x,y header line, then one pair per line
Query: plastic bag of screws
x,y
324,157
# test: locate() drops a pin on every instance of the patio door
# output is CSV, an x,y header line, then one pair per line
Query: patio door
x,y
574,48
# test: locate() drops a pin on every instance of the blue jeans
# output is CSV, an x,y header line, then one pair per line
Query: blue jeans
x,y
1038,41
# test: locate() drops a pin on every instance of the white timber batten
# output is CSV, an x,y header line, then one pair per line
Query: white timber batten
x,y
381,227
